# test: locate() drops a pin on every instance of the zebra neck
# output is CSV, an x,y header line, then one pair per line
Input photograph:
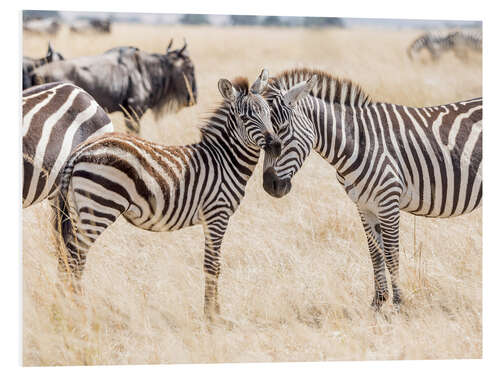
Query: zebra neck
x,y
337,134
220,148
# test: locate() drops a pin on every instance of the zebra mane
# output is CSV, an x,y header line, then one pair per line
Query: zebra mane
x,y
328,88
215,120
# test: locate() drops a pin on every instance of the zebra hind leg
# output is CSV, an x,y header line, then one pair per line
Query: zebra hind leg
x,y
372,229
71,253
78,225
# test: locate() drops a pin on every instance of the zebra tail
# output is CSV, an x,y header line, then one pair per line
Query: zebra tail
x,y
62,220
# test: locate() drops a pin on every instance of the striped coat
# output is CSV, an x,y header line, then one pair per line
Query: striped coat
x,y
425,161
165,188
57,117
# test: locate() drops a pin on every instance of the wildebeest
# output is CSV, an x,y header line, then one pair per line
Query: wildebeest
x,y
129,80
29,64
95,25
40,26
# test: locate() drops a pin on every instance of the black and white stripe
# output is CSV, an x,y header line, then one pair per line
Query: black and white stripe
x,y
56,118
425,161
165,188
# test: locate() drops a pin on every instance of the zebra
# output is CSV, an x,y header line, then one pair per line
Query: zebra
x,y
29,64
56,118
437,43
425,161
165,188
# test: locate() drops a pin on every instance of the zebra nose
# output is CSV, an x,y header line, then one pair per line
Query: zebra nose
x,y
275,186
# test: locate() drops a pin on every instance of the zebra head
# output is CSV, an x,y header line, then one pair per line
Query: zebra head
x,y
295,131
252,113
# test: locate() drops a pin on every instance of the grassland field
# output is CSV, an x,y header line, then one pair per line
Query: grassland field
x,y
296,275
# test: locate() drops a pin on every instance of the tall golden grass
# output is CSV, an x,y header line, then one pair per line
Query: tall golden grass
x,y
296,276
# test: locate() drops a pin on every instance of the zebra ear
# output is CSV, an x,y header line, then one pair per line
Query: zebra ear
x,y
260,84
227,90
300,90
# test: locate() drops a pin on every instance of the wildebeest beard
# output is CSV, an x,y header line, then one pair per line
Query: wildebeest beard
x,y
171,87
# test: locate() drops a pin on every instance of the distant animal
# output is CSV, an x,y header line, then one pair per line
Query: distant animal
x,y
42,26
29,64
389,158
93,25
57,117
438,43
165,188
129,80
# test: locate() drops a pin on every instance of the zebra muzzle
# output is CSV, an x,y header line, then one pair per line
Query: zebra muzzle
x,y
275,186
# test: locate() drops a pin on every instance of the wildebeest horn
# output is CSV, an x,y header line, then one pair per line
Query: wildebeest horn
x,y
183,47
170,44
261,82
50,50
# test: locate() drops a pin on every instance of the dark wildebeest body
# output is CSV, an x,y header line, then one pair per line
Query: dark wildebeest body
x,y
29,64
57,117
129,80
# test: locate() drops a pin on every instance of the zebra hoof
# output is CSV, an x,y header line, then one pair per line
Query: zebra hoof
x,y
396,302
379,299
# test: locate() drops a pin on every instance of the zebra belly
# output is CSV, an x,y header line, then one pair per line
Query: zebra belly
x,y
436,208
161,219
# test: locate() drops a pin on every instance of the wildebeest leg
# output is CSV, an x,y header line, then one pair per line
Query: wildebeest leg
x,y
372,229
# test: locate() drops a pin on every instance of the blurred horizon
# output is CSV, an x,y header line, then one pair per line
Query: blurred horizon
x,y
250,20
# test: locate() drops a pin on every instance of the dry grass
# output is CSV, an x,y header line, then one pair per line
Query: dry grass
x,y
296,276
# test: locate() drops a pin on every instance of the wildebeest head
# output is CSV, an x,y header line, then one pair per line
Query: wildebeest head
x,y
53,55
182,77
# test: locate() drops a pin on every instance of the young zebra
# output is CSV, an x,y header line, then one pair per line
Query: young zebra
x,y
425,161
56,118
437,43
29,64
165,188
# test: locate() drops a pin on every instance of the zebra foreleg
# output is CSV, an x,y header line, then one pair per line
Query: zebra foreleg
x,y
372,229
214,233
389,221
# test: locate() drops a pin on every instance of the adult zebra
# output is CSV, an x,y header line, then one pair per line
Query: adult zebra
x,y
56,118
437,43
165,188
425,161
